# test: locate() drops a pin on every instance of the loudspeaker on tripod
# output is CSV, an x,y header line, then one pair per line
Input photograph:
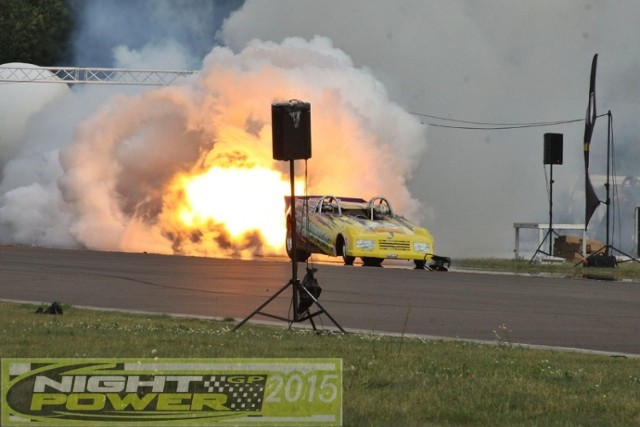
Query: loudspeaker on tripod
x,y
552,148
291,130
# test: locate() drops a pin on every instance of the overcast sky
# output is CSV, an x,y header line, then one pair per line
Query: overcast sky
x,y
499,62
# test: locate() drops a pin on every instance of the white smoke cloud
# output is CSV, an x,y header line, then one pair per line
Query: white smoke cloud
x,y
31,207
167,55
19,103
110,186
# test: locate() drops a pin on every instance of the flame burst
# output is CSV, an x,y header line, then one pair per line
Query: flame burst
x,y
245,200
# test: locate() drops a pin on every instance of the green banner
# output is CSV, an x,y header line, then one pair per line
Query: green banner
x,y
256,392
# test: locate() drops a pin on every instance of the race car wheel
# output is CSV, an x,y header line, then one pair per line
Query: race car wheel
x,y
420,263
348,260
372,262
302,255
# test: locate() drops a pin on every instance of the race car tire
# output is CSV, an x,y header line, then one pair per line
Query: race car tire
x,y
348,260
302,255
372,262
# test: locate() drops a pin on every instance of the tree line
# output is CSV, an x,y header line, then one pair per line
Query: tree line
x,y
36,31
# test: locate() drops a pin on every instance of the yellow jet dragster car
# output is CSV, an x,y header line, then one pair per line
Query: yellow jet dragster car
x,y
353,227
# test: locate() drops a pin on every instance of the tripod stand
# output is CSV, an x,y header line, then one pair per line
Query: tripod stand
x,y
305,294
604,257
551,231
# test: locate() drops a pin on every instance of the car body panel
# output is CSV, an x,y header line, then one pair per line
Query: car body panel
x,y
329,225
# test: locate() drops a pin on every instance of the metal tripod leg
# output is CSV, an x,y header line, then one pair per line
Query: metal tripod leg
x,y
539,250
309,316
257,310
322,310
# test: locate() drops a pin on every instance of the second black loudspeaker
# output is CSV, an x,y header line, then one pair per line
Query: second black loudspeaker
x,y
552,148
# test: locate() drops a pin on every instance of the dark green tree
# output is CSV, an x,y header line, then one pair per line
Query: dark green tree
x,y
34,31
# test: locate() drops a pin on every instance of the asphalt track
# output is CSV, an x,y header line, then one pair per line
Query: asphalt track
x,y
572,313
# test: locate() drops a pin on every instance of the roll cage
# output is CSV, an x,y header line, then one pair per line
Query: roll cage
x,y
377,207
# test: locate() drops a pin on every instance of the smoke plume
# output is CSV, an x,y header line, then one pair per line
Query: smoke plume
x,y
115,184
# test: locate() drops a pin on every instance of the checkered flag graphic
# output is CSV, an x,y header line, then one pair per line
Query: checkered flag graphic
x,y
242,395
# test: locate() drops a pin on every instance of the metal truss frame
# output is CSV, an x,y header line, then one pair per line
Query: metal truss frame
x,y
76,75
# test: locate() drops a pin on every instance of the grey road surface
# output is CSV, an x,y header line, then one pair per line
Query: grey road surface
x,y
585,314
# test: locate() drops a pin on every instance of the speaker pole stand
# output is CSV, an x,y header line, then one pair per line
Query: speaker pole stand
x,y
297,287
551,231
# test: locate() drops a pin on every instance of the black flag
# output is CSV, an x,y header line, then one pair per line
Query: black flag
x,y
591,198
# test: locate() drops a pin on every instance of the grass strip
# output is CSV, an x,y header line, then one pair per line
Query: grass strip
x,y
387,380
628,270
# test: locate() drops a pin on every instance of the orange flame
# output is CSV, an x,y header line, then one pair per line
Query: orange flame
x,y
243,200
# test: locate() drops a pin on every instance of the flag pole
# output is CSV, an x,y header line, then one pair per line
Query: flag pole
x,y
607,185
591,198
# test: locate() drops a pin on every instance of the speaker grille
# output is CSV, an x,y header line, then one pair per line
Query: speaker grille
x,y
291,130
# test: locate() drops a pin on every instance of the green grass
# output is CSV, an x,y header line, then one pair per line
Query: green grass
x,y
387,380
629,270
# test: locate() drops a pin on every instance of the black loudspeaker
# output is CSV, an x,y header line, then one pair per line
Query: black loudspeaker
x,y
291,130
552,148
